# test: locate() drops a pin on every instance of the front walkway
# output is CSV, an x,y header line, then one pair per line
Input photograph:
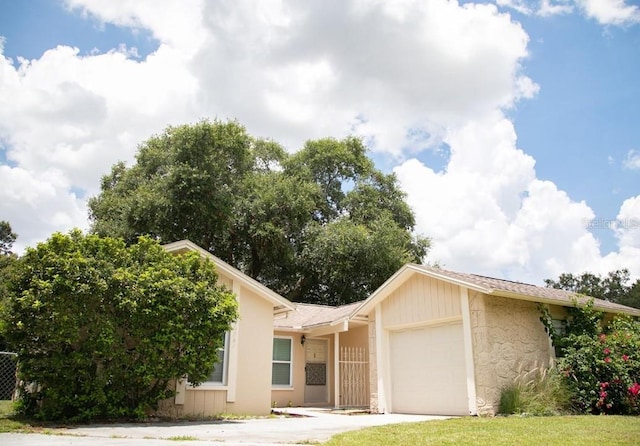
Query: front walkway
x,y
301,425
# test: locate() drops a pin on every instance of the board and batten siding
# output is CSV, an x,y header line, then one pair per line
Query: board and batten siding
x,y
201,402
419,300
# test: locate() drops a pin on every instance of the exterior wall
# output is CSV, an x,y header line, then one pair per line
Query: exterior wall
x,y
420,299
508,340
248,365
293,396
255,346
355,337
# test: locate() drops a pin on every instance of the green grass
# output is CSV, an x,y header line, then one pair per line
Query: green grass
x,y
9,422
501,431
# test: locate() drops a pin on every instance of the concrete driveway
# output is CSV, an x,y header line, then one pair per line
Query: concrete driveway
x,y
299,426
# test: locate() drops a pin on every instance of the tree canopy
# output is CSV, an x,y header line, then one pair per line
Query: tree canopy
x,y
322,225
7,237
615,287
7,259
101,329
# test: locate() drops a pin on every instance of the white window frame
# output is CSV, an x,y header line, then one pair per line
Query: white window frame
x,y
225,364
273,361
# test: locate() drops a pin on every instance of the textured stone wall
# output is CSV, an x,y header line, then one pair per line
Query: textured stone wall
x,y
508,340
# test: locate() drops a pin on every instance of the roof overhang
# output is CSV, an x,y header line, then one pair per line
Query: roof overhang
x,y
280,304
408,270
401,276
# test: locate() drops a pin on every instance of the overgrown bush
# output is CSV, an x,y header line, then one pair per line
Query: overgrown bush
x,y
603,371
101,329
543,392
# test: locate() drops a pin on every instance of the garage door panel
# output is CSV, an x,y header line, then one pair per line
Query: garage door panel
x,y
428,373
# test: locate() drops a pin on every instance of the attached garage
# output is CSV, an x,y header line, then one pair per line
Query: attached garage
x,y
427,370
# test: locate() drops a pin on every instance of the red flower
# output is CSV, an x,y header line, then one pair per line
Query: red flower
x,y
607,351
634,389
625,357
604,385
603,337
607,359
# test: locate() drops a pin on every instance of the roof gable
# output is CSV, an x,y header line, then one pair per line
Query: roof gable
x,y
489,286
279,302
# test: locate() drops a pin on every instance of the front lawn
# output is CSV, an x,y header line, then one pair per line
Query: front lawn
x,y
584,430
7,421
10,422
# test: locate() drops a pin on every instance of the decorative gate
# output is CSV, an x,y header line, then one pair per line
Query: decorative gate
x,y
354,377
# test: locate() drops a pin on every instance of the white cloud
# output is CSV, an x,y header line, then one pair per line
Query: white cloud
x,y
489,213
611,12
606,12
552,7
522,6
332,68
632,161
37,205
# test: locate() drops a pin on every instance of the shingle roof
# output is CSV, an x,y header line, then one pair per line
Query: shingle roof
x,y
490,285
309,315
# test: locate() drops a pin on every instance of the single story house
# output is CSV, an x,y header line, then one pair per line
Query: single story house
x,y
428,341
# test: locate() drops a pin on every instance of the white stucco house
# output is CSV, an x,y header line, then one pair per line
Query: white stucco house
x,y
428,341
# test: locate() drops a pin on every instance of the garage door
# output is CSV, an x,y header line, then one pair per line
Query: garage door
x,y
427,371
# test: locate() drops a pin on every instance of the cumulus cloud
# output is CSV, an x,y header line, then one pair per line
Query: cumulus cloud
x,y
610,12
384,72
489,213
37,205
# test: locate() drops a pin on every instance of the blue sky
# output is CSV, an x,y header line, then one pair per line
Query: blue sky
x,y
530,118
583,123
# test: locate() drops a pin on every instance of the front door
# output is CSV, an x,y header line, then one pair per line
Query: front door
x,y
315,389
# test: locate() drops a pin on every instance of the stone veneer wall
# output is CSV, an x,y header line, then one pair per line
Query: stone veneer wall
x,y
508,340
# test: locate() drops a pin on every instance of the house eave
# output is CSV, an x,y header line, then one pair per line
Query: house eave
x,y
550,301
401,276
280,304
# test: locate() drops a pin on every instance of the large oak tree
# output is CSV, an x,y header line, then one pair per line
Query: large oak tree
x,y
322,225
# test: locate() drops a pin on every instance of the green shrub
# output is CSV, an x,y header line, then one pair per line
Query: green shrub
x,y
603,371
101,329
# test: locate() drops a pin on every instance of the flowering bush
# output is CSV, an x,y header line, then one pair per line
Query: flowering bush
x,y
603,371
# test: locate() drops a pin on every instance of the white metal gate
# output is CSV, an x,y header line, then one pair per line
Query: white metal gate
x,y
354,374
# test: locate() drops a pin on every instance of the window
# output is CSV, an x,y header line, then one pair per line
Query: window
x,y
219,374
560,327
281,365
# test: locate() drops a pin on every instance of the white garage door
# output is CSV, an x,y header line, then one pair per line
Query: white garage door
x,y
428,372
